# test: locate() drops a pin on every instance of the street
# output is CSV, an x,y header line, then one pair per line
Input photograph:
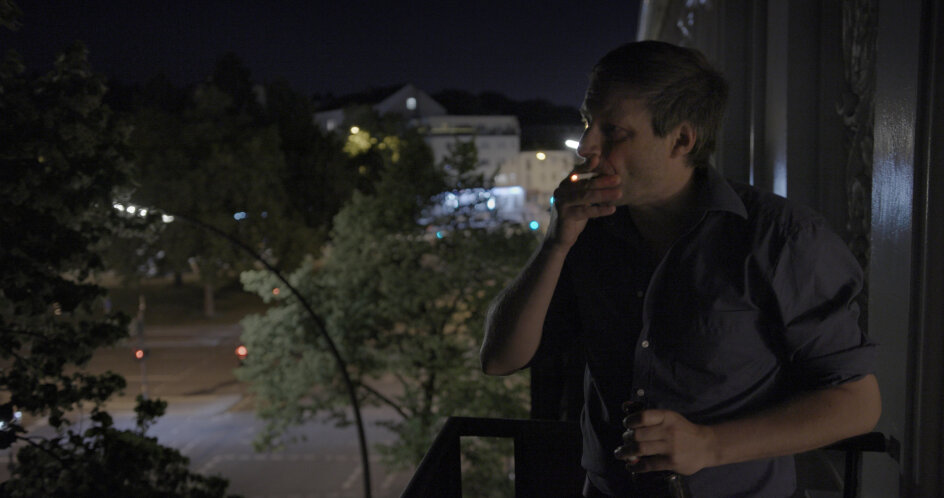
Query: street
x,y
210,419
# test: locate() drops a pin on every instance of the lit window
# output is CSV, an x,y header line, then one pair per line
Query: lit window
x,y
411,103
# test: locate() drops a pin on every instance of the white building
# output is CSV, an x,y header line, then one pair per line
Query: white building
x,y
497,138
409,101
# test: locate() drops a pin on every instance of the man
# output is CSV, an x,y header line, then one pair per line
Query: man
x,y
721,318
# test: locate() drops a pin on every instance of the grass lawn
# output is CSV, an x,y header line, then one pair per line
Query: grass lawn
x,y
169,304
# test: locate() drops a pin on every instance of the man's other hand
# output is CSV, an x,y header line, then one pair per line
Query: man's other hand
x,y
665,440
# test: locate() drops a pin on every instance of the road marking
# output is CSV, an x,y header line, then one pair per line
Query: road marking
x,y
187,448
209,465
388,481
351,479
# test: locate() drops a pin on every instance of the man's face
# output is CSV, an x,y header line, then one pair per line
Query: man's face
x,y
619,140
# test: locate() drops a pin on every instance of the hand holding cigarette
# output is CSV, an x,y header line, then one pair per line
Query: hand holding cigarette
x,y
579,197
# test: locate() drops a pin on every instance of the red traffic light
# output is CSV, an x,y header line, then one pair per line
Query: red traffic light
x,y
241,352
139,354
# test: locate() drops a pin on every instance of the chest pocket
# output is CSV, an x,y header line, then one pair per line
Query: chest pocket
x,y
730,336
717,340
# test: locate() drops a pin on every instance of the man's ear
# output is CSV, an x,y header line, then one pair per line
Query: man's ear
x,y
685,136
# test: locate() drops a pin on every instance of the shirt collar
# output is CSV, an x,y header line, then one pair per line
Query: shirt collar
x,y
714,193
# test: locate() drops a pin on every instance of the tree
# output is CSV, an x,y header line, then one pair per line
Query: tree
x,y
318,178
63,161
401,302
215,164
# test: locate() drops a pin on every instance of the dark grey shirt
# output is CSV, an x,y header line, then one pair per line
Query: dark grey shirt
x,y
753,304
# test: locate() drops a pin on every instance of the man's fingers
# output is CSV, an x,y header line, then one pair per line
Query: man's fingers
x,y
650,464
573,197
638,449
590,211
569,189
572,207
644,418
651,433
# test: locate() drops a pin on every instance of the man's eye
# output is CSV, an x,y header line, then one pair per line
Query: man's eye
x,y
614,133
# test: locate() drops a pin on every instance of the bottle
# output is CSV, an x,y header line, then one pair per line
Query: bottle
x,y
656,484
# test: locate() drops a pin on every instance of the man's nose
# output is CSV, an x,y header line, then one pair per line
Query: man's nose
x,y
589,145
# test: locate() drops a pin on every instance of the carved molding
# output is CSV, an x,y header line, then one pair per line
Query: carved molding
x,y
676,21
688,19
857,109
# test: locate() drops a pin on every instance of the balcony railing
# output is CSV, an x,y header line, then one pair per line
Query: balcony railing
x,y
547,458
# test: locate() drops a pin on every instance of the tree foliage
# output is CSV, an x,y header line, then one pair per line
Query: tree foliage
x,y
209,164
215,162
318,179
63,159
245,159
106,461
405,306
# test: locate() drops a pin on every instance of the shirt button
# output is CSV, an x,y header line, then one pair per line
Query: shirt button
x,y
640,392
639,294
645,344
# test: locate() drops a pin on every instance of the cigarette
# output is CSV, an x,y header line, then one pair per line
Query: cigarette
x,y
576,177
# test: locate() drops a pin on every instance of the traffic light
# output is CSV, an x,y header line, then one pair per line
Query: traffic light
x,y
241,352
140,353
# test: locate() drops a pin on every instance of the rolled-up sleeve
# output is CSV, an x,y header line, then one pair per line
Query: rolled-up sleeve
x,y
816,282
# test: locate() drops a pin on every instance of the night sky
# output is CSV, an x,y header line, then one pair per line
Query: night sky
x,y
524,50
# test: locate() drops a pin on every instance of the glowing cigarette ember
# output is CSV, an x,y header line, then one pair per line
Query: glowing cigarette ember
x,y
576,177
